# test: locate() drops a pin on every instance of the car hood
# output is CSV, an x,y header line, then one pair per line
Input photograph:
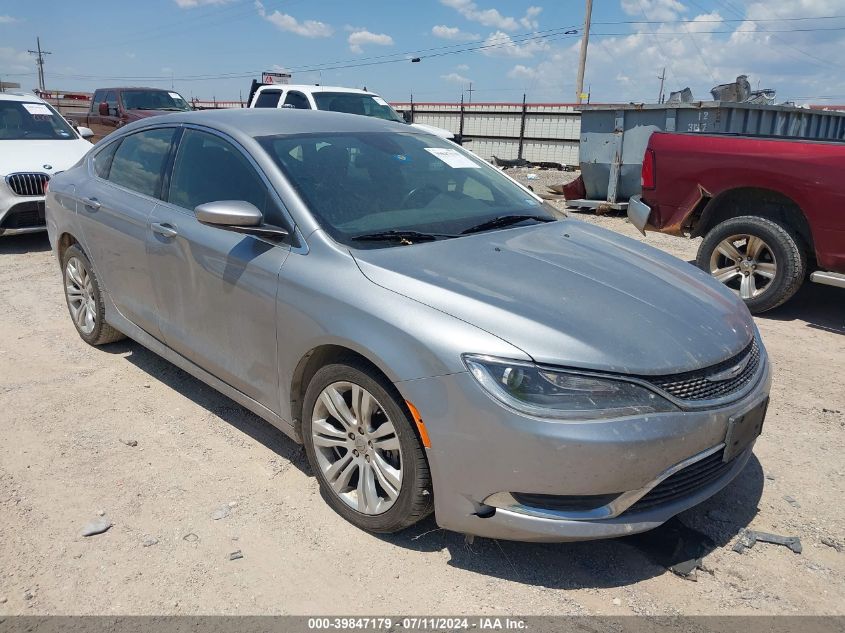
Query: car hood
x,y
437,131
572,294
32,155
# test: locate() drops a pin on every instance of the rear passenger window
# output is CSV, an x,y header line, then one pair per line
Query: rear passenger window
x,y
103,160
297,100
208,169
138,163
268,99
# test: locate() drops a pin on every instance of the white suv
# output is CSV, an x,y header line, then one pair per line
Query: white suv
x,y
35,142
335,99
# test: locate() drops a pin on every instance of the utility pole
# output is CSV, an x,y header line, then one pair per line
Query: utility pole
x,y
39,59
661,77
470,91
582,59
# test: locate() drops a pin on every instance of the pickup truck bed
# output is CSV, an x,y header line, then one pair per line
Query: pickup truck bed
x,y
771,210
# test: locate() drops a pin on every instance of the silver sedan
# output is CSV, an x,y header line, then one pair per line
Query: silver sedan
x,y
432,332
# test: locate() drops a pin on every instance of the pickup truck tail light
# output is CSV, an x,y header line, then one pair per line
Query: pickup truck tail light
x,y
647,179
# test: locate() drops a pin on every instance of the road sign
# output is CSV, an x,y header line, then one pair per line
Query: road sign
x,y
275,78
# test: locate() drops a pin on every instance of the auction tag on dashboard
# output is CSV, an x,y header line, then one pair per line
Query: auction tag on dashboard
x,y
452,157
380,101
37,108
175,95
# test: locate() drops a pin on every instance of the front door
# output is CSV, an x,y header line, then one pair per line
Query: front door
x,y
216,289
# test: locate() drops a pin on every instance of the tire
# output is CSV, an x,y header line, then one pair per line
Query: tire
x,y
330,433
771,254
85,300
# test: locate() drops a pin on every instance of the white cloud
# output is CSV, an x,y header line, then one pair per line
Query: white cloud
x,y
455,78
663,10
522,72
501,44
357,39
285,22
192,4
15,61
491,17
462,68
452,33
130,55
7,19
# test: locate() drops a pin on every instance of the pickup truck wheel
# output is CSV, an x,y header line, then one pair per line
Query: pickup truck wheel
x,y
760,259
361,445
84,299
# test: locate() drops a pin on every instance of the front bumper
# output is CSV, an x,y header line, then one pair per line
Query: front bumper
x,y
20,214
481,451
638,213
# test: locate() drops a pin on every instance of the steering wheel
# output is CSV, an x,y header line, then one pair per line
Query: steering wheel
x,y
417,192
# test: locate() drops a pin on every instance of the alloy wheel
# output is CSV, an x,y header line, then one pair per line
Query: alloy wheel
x,y
357,448
79,289
744,263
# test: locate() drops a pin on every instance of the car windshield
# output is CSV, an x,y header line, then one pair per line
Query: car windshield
x,y
356,103
154,100
359,185
21,120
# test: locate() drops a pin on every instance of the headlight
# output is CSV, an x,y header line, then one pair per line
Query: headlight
x,y
563,395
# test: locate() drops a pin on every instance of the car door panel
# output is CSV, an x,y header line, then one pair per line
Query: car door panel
x,y
216,292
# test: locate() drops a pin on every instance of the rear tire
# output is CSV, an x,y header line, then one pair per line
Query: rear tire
x,y
85,299
762,260
377,479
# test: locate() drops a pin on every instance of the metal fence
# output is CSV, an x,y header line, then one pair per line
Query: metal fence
x,y
535,132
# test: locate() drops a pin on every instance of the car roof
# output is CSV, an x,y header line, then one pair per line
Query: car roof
x,y
314,88
133,88
21,96
254,122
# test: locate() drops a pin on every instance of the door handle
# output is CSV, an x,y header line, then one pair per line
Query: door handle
x,y
92,203
165,230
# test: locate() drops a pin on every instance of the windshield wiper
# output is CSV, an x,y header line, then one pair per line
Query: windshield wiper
x,y
404,237
505,220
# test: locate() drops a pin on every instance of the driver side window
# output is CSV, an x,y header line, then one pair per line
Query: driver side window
x,y
209,168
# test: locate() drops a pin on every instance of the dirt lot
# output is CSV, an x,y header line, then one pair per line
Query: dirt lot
x,y
68,413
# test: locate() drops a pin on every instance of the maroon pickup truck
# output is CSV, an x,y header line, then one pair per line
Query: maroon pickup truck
x,y
771,210
113,107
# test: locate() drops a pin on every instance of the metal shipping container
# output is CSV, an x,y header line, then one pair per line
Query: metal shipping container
x,y
614,137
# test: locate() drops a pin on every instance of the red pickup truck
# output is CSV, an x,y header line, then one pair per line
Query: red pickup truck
x,y
112,108
771,210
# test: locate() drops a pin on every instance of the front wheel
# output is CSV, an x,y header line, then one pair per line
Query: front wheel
x,y
761,260
361,445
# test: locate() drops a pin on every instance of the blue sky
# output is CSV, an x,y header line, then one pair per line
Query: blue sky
x,y
211,48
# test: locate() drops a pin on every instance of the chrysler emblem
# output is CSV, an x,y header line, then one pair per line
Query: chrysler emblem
x,y
732,372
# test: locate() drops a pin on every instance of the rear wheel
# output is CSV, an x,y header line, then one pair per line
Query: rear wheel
x,y
361,445
84,299
761,260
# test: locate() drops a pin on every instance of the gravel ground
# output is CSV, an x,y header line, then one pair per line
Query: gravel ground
x,y
187,478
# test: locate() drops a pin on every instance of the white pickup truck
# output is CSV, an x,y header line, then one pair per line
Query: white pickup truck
x,y
335,99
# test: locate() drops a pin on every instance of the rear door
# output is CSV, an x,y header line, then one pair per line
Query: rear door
x,y
267,99
297,100
216,289
114,208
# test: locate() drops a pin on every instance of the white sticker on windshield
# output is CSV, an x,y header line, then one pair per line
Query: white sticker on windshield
x,y
37,108
380,101
175,95
452,157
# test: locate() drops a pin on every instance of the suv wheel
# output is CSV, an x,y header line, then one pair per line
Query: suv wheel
x,y
759,259
361,444
84,299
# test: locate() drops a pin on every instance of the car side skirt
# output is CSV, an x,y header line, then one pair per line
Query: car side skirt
x,y
121,323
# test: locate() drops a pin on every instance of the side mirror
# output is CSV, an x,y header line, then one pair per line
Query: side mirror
x,y
103,109
85,132
239,216
406,115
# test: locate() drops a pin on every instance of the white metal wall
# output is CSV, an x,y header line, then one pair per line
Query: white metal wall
x,y
551,131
